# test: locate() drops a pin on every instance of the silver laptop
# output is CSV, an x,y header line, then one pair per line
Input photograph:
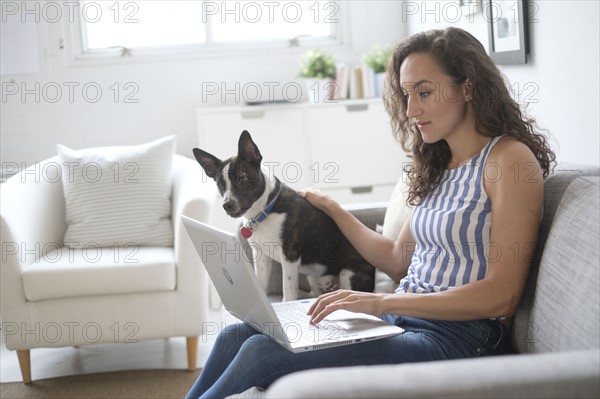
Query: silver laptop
x,y
232,274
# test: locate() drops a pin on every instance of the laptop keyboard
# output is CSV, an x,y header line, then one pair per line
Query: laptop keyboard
x,y
296,324
292,312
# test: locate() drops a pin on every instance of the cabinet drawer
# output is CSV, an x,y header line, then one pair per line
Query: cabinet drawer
x,y
354,144
360,195
277,132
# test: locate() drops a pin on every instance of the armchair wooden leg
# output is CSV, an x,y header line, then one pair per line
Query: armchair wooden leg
x,y
192,350
25,364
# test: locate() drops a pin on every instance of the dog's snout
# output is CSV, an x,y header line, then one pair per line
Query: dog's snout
x,y
229,205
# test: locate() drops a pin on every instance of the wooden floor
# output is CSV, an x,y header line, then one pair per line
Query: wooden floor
x,y
55,362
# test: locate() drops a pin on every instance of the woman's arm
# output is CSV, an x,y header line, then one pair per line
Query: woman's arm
x,y
391,257
516,194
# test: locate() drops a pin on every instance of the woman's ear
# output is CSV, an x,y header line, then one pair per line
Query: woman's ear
x,y
467,89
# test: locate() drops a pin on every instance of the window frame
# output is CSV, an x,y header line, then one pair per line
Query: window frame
x,y
77,55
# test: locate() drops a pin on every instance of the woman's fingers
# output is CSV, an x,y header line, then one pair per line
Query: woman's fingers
x,y
326,304
353,301
315,197
321,301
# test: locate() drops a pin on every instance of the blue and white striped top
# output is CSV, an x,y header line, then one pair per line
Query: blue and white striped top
x,y
451,228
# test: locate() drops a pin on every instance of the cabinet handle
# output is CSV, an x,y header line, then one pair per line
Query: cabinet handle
x,y
361,190
357,107
252,114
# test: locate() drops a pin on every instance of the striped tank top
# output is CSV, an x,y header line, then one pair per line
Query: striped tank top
x,y
451,229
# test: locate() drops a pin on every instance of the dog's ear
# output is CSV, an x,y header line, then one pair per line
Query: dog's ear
x,y
247,150
209,163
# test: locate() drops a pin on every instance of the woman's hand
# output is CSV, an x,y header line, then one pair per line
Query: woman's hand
x,y
317,198
353,301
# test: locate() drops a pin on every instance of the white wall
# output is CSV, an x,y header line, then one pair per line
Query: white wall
x,y
560,82
169,91
562,72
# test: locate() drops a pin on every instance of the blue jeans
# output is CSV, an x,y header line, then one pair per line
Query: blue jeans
x,y
242,357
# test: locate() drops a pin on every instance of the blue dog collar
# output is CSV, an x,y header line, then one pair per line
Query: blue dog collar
x,y
252,224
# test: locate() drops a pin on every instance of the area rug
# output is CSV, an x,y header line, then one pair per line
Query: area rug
x,y
132,384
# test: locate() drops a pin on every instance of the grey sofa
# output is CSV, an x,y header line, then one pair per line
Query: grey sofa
x,y
555,334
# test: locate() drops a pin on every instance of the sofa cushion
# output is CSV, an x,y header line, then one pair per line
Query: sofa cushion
x,y
66,272
549,375
555,186
395,217
566,307
118,194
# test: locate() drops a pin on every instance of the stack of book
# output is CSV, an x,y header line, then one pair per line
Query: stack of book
x,y
356,81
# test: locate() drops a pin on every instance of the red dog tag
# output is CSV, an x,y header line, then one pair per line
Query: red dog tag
x,y
246,232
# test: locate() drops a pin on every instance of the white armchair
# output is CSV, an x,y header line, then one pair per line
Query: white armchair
x,y
54,296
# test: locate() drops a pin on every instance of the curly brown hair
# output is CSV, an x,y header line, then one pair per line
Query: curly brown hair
x,y
462,57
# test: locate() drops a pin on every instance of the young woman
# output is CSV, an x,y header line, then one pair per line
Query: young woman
x,y
462,258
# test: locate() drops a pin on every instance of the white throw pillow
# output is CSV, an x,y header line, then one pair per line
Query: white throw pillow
x,y
395,216
116,196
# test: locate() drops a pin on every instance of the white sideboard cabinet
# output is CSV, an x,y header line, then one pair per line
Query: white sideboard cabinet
x,y
345,148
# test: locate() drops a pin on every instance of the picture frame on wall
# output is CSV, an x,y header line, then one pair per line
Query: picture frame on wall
x,y
507,31
470,7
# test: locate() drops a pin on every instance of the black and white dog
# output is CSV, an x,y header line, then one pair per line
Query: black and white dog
x,y
307,240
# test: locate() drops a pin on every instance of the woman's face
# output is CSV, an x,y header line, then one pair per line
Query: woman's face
x,y
435,103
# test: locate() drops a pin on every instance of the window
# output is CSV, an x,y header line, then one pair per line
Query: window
x,y
133,26
141,24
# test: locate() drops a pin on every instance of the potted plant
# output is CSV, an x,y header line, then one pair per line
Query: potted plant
x,y
318,69
377,60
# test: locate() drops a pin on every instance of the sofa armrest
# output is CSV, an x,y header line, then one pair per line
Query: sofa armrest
x,y
33,209
552,375
190,197
32,222
370,214
193,198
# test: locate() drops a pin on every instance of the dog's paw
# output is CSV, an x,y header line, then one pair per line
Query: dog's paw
x,y
328,283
